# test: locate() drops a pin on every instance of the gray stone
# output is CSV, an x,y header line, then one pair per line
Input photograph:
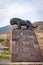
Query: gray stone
x,y
23,52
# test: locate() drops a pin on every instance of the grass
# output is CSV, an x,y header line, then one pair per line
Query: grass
x,y
40,40
4,57
5,54
6,48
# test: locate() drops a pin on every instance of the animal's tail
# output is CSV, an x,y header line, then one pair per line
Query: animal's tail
x,y
35,26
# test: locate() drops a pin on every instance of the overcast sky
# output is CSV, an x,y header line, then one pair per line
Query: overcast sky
x,y
25,9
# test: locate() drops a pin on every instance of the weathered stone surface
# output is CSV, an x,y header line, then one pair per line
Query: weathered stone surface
x,y
25,47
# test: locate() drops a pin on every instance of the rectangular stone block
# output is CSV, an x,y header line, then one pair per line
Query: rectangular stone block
x,y
25,47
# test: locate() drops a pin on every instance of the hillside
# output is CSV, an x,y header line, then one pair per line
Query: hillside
x,y
40,26
39,34
5,28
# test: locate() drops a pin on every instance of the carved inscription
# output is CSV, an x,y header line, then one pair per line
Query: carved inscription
x,y
25,47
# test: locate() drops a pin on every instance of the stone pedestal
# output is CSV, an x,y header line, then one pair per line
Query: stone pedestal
x,y
25,47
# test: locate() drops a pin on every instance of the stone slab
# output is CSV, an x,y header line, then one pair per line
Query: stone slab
x,y
25,47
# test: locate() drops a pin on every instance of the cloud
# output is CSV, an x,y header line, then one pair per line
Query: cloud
x,y
38,4
25,9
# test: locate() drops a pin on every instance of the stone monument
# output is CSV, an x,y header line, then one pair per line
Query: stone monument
x,y
25,47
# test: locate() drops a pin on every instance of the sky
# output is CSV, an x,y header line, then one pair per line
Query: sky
x,y
25,9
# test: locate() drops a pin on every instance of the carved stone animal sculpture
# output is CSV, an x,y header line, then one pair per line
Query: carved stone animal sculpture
x,y
29,25
21,22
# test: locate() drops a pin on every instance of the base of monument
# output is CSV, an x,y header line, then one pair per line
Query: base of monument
x,y
32,58
26,63
25,47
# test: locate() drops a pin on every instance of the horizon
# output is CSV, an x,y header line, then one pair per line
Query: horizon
x,y
25,9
